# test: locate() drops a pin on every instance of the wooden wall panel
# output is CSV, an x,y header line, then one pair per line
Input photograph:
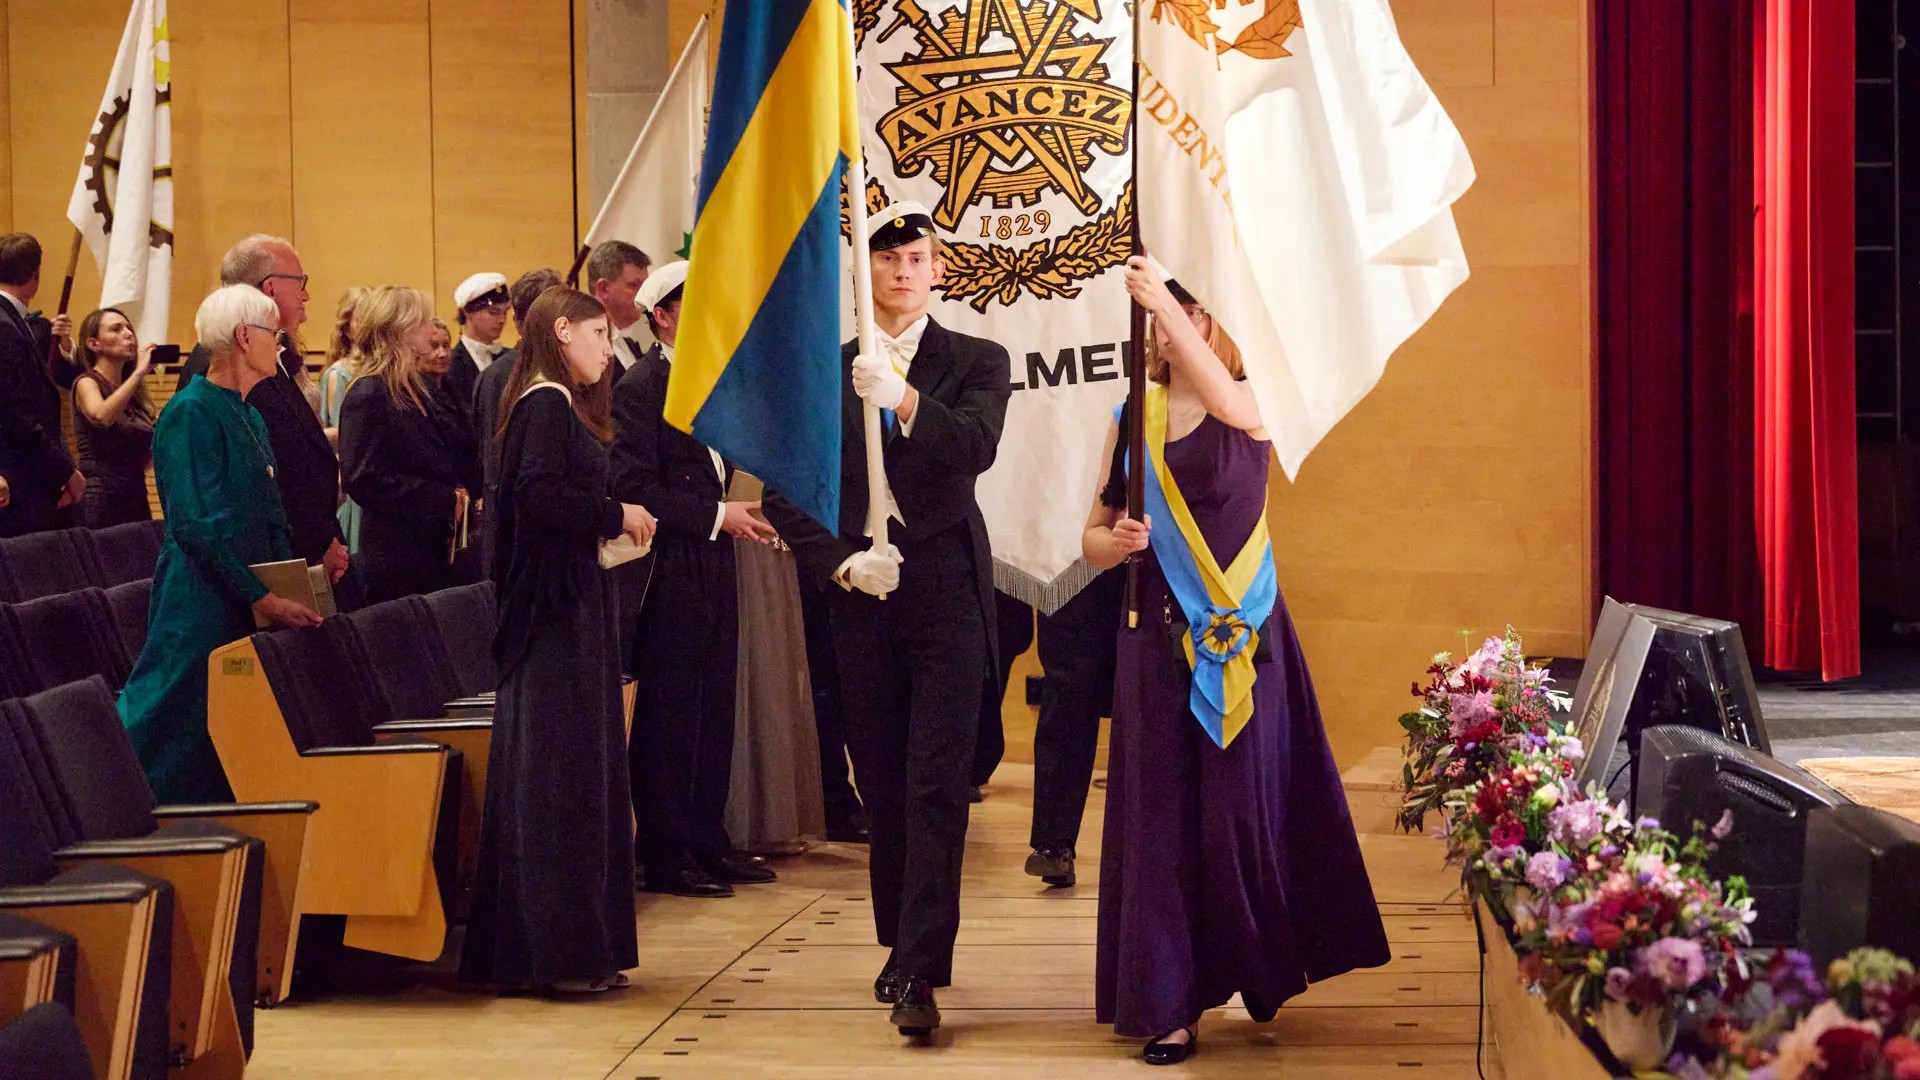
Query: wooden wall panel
x,y
57,56
503,154
6,131
232,152
362,147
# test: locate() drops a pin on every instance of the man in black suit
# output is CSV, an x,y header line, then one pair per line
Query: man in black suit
x,y
683,645
616,272
912,667
306,470
37,476
482,301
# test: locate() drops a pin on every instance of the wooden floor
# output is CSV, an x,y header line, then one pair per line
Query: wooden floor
x,y
777,982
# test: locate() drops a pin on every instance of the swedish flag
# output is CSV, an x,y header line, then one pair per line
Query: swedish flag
x,y
756,373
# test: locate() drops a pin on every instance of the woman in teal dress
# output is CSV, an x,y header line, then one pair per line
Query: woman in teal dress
x,y
214,467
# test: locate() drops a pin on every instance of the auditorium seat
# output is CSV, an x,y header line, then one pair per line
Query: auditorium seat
x,y
128,604
123,553
215,874
44,564
45,1043
370,852
65,638
105,796
36,966
466,617
121,920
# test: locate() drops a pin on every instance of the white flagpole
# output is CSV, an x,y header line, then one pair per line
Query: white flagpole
x,y
868,335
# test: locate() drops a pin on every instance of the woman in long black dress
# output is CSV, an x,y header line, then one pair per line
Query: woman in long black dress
x,y
112,420
553,905
405,455
1229,863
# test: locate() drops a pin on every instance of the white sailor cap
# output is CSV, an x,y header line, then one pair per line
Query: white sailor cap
x,y
662,285
897,224
480,290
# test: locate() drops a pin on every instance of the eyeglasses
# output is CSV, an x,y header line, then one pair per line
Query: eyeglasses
x,y
271,331
301,278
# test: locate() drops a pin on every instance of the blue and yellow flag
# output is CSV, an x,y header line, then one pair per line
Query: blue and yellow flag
x,y
756,373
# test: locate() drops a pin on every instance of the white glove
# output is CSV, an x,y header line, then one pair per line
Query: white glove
x,y
875,379
875,572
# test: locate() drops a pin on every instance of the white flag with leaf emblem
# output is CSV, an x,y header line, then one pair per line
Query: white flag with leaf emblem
x,y
651,204
1297,176
123,199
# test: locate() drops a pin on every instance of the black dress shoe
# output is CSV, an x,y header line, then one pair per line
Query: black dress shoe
x,y
886,988
741,869
1262,1010
1158,1052
914,1011
1052,865
688,882
975,795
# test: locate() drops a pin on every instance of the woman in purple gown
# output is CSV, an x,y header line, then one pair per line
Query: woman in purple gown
x,y
1229,863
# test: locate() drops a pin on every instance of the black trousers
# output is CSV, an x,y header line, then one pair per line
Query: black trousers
x,y
1015,619
911,672
838,797
1077,652
683,653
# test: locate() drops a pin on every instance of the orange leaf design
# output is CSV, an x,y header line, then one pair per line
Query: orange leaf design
x,y
1265,38
1195,17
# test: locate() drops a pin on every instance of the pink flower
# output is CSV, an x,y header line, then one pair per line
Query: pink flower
x,y
1676,963
1465,711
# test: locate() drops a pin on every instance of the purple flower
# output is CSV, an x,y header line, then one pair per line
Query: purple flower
x,y
1571,749
1647,823
1466,710
1575,824
1617,980
1499,855
1676,963
1547,869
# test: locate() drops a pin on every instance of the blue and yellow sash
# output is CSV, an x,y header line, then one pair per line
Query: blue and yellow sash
x,y
1224,608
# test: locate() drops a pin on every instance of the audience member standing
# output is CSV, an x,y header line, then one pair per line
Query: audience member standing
x,y
685,644
846,818
616,270
113,420
1076,653
553,900
404,451
215,467
342,356
482,304
37,476
308,473
486,412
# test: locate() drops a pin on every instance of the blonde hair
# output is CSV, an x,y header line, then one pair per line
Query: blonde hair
x,y
1159,368
340,346
386,315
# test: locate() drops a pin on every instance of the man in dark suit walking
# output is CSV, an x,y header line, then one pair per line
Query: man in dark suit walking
x,y
912,667
683,643
37,475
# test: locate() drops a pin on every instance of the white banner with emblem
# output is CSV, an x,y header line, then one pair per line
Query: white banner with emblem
x,y
1011,120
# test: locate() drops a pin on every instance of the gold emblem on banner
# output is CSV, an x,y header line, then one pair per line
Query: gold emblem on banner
x,y
1265,38
1003,102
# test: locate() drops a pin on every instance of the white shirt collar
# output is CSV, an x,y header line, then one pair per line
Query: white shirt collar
x,y
666,350
18,304
482,354
904,348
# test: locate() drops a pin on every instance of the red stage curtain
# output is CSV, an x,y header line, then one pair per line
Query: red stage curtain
x,y
1806,490
1673,340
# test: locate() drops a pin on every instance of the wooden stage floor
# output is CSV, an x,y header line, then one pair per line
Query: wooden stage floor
x,y
776,982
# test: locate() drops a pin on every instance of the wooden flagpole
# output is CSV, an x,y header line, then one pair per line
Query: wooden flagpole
x,y
66,298
1136,432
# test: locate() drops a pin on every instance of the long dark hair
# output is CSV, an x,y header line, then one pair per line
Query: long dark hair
x,y
540,356
84,357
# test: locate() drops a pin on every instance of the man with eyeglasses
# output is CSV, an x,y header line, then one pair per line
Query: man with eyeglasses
x,y
306,470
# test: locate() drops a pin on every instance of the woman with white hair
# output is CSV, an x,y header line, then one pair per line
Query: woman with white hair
x,y
215,469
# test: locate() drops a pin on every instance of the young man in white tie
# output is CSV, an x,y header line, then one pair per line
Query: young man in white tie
x,y
483,305
912,666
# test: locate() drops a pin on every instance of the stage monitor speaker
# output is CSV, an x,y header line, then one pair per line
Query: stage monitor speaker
x,y
1862,883
1646,668
1689,775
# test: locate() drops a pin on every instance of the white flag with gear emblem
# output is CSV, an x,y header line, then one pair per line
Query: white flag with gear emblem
x,y
651,204
1010,121
1297,176
123,198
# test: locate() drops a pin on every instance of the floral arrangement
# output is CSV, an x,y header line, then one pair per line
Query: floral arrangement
x,y
1861,1023
1470,717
